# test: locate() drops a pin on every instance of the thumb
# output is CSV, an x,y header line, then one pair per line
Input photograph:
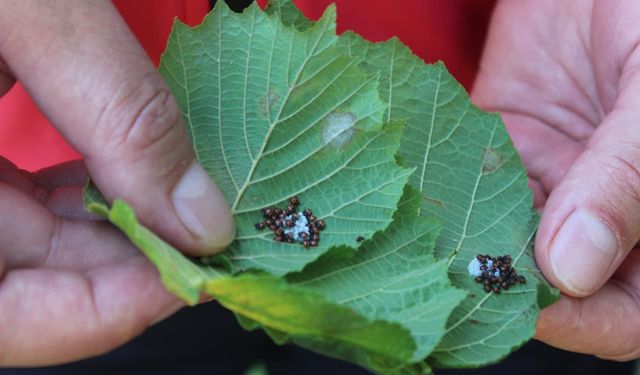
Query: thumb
x,y
87,72
592,218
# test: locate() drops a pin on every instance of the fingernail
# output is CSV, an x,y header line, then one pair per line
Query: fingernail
x,y
582,252
202,209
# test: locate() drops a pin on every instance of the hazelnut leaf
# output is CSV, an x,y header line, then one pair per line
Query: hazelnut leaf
x,y
474,183
275,112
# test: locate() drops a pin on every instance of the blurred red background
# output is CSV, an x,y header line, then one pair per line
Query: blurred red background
x,y
452,31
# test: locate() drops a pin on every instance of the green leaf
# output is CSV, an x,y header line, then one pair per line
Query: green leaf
x,y
393,276
474,183
179,274
307,314
350,305
275,112
285,311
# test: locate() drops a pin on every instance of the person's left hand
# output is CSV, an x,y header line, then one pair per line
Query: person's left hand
x,y
72,289
65,277
566,77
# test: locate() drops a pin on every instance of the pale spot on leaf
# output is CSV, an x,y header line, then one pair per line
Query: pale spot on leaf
x,y
338,128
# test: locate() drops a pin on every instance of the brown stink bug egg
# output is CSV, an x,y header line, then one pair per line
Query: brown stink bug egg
x,y
496,274
292,226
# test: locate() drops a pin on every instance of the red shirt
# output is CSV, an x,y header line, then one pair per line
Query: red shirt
x,y
452,31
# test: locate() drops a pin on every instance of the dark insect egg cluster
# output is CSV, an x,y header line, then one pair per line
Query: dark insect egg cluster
x,y
292,225
496,274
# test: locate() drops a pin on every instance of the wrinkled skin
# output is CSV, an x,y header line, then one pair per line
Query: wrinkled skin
x,y
72,286
565,76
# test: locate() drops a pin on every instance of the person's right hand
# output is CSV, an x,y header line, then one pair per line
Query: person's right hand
x,y
68,288
566,77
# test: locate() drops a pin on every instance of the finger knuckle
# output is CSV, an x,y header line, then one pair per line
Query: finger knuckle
x,y
612,185
143,116
622,173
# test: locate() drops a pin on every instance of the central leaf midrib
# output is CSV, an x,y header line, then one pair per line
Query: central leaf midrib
x,y
463,235
219,61
431,127
187,94
246,83
247,182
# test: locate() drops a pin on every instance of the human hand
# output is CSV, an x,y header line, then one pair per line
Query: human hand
x,y
565,75
72,289
70,286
